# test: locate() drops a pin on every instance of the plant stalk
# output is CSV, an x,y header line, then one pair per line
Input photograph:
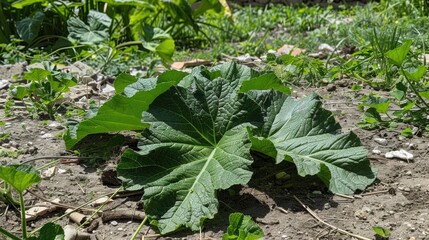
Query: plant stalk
x,y
138,229
23,219
414,89
8,234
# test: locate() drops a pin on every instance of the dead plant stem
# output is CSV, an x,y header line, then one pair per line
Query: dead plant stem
x,y
61,205
314,215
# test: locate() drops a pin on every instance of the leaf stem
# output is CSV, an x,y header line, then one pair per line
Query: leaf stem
x,y
139,228
414,89
23,219
8,234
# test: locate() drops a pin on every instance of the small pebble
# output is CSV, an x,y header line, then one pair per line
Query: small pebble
x,y
32,150
13,144
359,214
409,145
381,141
114,223
415,130
331,88
376,151
408,173
317,192
47,136
326,206
366,209
56,125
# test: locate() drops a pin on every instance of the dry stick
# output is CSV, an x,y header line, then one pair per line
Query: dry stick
x,y
344,196
314,215
151,236
281,209
123,214
99,208
54,157
61,205
374,193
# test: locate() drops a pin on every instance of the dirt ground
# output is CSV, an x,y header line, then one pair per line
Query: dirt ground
x,y
398,200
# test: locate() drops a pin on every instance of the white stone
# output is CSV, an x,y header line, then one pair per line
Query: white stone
x,y
47,135
376,151
401,154
381,141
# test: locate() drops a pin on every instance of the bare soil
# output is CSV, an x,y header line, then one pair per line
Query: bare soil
x,y
398,200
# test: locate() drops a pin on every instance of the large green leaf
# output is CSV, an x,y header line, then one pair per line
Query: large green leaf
x,y
138,3
123,111
19,177
265,82
158,41
397,56
302,132
95,32
22,3
28,28
201,132
197,143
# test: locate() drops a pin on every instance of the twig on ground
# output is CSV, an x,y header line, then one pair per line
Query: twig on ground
x,y
128,214
81,188
151,236
92,225
322,234
314,215
54,157
282,210
344,196
5,211
62,205
128,194
376,192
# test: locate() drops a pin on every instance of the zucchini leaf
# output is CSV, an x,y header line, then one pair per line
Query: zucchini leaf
x,y
198,130
123,111
197,143
302,132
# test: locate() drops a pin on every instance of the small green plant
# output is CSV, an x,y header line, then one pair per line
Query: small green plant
x,y
410,95
44,89
242,227
21,177
293,69
12,52
381,233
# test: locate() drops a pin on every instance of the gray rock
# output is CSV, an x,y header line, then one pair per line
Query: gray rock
x,y
4,84
47,136
331,88
381,141
56,125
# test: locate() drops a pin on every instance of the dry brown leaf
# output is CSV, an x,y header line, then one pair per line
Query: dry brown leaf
x,y
40,210
191,63
290,49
